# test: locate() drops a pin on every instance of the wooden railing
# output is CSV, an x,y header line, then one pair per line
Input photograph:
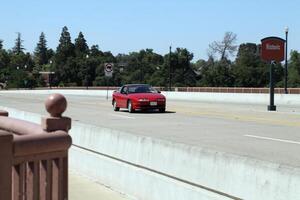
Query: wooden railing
x,y
34,158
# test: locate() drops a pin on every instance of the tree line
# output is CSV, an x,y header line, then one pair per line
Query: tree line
x,y
77,64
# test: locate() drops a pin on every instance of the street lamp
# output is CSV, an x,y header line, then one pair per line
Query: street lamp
x,y
49,75
25,81
170,76
18,76
286,63
87,71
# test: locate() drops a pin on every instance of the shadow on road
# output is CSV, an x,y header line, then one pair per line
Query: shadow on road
x,y
150,112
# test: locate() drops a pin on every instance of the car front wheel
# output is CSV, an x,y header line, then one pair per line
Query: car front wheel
x,y
115,106
130,109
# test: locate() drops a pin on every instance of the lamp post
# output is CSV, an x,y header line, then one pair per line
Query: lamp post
x,y
86,73
25,81
49,75
18,76
170,76
286,63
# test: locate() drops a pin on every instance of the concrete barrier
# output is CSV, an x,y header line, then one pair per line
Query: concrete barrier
x,y
240,98
154,169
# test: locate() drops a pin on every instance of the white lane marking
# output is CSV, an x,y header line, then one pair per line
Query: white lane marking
x,y
122,116
273,139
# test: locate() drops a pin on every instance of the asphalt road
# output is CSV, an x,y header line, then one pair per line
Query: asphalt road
x,y
247,130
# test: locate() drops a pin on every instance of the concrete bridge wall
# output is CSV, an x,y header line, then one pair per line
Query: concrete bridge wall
x,y
153,169
242,98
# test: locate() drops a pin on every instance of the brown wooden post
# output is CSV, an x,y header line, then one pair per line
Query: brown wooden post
x,y
3,113
6,157
56,104
33,158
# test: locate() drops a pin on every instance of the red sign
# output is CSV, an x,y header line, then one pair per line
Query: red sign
x,y
272,49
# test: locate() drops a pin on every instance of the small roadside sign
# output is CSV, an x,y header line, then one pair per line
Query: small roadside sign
x,y
272,49
108,69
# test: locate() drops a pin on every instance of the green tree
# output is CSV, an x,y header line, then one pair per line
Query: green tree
x,y
41,51
204,70
222,73
18,48
182,72
140,67
65,47
81,47
19,69
64,65
149,63
294,70
82,61
1,44
216,73
4,62
95,51
249,70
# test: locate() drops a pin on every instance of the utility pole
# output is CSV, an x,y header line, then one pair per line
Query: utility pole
x,y
170,76
87,72
286,63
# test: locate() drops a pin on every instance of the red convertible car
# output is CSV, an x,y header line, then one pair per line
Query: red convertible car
x,y
138,97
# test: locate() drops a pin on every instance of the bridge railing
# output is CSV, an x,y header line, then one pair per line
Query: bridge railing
x,y
34,158
194,89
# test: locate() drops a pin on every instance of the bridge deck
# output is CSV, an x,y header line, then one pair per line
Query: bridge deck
x,y
248,130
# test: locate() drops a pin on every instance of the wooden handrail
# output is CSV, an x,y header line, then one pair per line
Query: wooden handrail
x,y
19,127
41,143
34,158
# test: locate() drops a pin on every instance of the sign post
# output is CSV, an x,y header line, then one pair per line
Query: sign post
x,y
271,106
272,50
108,71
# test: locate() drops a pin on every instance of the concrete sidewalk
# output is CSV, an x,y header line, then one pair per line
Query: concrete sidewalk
x,y
82,188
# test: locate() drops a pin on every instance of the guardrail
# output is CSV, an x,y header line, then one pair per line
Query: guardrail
x,y
193,89
34,158
236,90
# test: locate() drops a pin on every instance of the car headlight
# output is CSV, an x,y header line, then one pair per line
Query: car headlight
x,y
143,100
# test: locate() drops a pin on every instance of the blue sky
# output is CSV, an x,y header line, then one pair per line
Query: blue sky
x,y
131,25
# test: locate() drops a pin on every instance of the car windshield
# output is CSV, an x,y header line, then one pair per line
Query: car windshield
x,y
141,89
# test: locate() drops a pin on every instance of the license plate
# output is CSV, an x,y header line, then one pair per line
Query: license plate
x,y
153,103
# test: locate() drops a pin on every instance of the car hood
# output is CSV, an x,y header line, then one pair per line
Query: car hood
x,y
150,96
